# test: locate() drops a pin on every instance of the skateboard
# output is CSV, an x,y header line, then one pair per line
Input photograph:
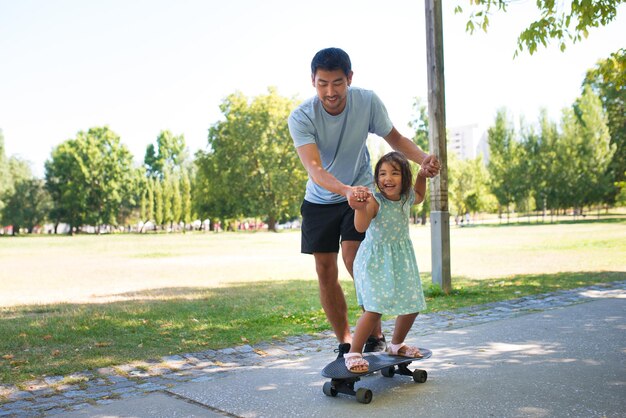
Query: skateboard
x,y
342,381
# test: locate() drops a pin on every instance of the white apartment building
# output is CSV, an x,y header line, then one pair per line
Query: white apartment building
x,y
466,144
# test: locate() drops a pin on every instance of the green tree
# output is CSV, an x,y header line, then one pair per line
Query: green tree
x,y
68,197
150,211
608,81
143,202
157,186
419,123
5,179
129,212
177,202
251,167
504,154
204,192
27,206
13,170
147,212
542,163
170,153
561,21
89,178
528,168
185,190
467,185
586,138
19,169
167,196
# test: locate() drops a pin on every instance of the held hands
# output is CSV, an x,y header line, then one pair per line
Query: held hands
x,y
358,196
430,167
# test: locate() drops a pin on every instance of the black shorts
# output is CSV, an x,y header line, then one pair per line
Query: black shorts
x,y
324,226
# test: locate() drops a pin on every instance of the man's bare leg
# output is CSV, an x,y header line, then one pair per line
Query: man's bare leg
x,y
331,295
348,253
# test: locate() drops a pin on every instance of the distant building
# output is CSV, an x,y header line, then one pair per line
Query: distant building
x,y
483,147
465,143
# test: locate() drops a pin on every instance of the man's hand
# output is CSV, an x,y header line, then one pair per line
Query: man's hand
x,y
430,166
357,197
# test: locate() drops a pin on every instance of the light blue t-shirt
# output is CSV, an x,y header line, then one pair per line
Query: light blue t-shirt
x,y
341,139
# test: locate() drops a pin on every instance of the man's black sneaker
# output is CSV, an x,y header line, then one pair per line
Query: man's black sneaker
x,y
375,344
342,349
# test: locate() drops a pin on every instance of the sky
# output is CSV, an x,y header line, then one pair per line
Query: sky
x,y
143,66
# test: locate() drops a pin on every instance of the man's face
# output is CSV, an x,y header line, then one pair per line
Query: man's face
x,y
332,89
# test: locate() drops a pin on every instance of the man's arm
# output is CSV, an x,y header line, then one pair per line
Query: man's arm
x,y
429,163
312,162
405,146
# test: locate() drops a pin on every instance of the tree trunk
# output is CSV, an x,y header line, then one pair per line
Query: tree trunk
x,y
271,223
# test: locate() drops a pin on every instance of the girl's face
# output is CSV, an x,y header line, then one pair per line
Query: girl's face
x,y
390,181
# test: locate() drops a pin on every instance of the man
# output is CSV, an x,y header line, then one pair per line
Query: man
x,y
330,132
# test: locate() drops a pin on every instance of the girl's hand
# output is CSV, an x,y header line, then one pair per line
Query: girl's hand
x,y
358,197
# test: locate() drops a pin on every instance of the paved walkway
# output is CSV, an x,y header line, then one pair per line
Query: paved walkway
x,y
113,386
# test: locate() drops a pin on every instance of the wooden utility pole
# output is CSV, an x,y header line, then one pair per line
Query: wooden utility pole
x,y
439,215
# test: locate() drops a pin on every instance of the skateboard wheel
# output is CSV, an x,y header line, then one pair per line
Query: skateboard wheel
x,y
364,395
388,371
420,376
329,390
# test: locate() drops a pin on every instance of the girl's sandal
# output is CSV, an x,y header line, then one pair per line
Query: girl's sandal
x,y
355,363
404,350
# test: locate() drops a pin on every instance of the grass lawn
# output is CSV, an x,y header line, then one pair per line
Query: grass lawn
x,y
74,303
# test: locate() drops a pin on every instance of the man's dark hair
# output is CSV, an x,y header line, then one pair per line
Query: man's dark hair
x,y
331,59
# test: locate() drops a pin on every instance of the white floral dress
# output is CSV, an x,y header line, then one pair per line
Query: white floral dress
x,y
386,276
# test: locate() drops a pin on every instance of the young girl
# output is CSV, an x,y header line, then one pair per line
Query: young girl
x,y
385,270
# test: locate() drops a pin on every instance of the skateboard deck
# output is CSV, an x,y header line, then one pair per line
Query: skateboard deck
x,y
342,380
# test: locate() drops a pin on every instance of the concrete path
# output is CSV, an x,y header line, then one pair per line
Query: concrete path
x,y
564,362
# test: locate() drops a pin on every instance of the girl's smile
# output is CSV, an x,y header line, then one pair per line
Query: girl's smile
x,y
390,181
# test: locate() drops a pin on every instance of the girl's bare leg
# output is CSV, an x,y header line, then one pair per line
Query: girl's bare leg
x,y
403,326
364,327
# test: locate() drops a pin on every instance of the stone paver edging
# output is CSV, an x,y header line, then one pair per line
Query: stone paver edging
x,y
57,394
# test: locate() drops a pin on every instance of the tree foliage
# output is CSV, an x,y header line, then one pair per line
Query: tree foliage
x,y
169,154
89,178
251,167
560,169
419,123
5,179
468,185
586,136
562,21
504,151
608,81
27,206
185,190
12,171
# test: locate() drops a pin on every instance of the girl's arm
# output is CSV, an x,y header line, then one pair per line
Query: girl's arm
x,y
363,217
420,187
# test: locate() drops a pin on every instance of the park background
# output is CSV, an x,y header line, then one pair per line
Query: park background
x,y
543,204
170,107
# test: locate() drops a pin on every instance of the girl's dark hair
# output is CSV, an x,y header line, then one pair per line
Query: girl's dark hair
x,y
331,59
399,161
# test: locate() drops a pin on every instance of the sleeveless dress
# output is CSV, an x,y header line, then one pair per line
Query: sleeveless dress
x,y
386,276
